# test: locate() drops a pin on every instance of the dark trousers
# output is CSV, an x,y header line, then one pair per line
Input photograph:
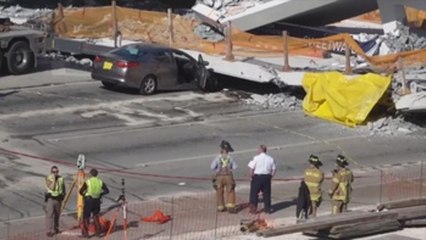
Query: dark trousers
x,y
91,206
260,183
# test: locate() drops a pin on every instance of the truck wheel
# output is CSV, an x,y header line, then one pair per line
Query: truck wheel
x,y
148,85
20,58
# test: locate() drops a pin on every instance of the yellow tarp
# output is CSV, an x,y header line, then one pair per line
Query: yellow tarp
x,y
334,97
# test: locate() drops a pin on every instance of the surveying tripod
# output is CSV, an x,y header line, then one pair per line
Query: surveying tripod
x,y
76,184
123,207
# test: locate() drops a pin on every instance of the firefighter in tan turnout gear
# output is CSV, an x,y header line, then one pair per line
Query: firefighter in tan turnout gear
x,y
340,191
313,178
223,181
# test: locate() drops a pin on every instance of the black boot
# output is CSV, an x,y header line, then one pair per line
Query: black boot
x,y
85,228
98,229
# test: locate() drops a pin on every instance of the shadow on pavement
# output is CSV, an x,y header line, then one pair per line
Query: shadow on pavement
x,y
283,205
3,95
46,64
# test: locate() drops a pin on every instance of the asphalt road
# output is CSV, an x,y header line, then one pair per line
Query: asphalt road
x,y
161,144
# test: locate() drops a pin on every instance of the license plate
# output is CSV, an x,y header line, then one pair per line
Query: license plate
x,y
107,65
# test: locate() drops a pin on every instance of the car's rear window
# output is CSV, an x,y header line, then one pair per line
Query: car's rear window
x,y
129,52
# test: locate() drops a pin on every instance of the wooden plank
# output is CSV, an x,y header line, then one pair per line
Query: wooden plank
x,y
402,203
414,223
410,212
349,231
330,221
370,224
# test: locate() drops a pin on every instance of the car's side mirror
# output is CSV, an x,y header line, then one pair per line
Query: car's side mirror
x,y
201,60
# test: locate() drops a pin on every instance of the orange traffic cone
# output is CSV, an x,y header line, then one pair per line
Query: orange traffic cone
x,y
104,224
158,217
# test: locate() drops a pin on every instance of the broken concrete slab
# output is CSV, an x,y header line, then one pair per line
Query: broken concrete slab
x,y
248,17
415,102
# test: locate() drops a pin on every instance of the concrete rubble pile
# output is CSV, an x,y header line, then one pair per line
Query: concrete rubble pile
x,y
225,8
400,39
390,126
280,100
85,62
19,15
209,33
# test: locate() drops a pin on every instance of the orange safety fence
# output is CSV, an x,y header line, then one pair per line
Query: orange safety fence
x,y
149,26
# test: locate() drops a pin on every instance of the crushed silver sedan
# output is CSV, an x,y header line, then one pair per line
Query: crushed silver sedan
x,y
149,67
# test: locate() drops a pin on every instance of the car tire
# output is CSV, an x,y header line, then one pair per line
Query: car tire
x,y
20,58
108,85
148,85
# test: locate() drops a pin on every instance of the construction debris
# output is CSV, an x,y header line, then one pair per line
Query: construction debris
x,y
208,33
326,222
401,39
19,15
347,225
280,100
253,225
402,204
389,125
349,231
228,7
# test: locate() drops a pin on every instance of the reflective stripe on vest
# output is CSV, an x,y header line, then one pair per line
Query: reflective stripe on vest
x,y
94,187
224,162
58,188
224,166
342,193
313,178
312,184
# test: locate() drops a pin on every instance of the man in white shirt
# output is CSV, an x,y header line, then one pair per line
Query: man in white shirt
x,y
262,169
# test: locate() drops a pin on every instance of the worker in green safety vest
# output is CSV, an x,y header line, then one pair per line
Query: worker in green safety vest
x,y
92,190
313,178
55,192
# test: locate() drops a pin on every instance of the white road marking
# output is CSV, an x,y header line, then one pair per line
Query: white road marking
x,y
120,130
279,147
115,105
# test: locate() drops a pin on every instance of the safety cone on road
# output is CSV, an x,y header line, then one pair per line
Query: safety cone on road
x,y
105,224
158,217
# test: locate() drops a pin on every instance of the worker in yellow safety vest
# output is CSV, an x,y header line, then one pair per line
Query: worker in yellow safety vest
x,y
55,192
223,180
92,190
341,186
313,178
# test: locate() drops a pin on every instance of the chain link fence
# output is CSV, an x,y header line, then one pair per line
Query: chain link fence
x,y
403,183
192,217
